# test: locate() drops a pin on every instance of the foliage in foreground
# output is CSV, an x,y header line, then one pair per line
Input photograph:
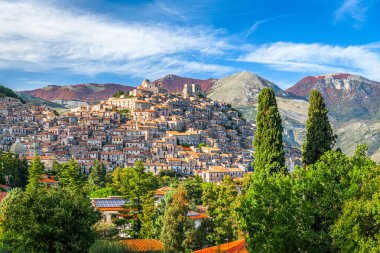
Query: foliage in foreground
x,y
104,246
331,206
47,220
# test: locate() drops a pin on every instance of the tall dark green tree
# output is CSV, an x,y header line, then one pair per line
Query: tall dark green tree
x,y
269,153
147,215
35,172
97,177
319,134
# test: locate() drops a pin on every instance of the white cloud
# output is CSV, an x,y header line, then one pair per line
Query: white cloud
x,y
317,58
38,36
255,26
353,9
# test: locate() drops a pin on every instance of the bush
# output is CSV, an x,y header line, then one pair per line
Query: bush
x,y
103,246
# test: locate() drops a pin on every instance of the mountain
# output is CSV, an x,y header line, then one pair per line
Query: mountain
x,y
175,83
90,92
347,96
38,101
353,104
6,92
241,90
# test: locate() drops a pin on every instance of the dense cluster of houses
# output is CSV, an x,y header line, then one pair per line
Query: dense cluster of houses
x,y
184,132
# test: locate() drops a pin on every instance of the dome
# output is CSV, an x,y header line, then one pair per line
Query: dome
x,y
18,148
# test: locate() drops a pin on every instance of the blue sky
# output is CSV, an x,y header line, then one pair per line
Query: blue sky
x,y
62,42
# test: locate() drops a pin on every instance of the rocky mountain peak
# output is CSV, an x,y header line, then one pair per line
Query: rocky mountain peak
x,y
242,88
347,96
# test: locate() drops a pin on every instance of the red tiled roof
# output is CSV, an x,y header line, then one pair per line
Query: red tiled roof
x,y
3,195
143,245
230,247
48,180
199,216
105,209
163,190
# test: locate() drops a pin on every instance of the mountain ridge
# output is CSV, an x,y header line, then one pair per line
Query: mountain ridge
x,y
347,96
87,92
174,83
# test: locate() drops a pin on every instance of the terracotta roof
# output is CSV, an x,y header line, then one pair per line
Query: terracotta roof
x,y
199,216
48,180
105,209
5,186
230,247
163,190
144,245
3,195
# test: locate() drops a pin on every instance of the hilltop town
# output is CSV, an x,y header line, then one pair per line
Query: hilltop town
x,y
185,132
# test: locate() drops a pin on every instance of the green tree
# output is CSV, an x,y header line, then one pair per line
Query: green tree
x,y
358,227
269,154
118,94
71,176
320,191
158,216
146,216
176,223
267,214
104,192
193,187
47,220
35,173
167,178
134,183
222,211
97,177
319,134
13,169
56,169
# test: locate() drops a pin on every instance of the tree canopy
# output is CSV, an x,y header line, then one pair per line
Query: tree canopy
x,y
47,220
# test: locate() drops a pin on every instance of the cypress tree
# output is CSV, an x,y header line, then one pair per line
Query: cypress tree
x,y
319,134
269,153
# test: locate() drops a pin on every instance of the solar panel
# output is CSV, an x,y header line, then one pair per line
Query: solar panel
x,y
109,202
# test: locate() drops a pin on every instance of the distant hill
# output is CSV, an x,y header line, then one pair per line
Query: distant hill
x,y
90,92
38,101
242,88
174,84
6,92
347,96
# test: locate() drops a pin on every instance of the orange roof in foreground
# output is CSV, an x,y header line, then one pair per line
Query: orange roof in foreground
x,y
163,190
143,245
230,247
105,209
3,195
